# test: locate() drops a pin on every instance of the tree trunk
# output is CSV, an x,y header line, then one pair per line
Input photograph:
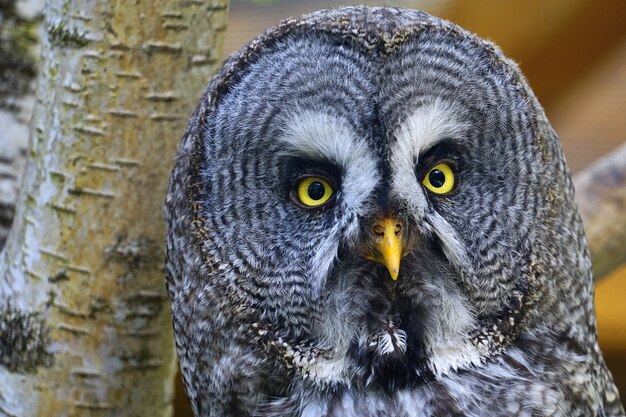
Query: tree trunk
x,y
85,326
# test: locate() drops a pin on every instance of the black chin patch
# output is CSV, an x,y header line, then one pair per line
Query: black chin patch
x,y
398,364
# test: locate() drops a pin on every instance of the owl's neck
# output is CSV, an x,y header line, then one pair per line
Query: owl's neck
x,y
473,391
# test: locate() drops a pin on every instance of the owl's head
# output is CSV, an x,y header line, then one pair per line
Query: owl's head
x,y
373,196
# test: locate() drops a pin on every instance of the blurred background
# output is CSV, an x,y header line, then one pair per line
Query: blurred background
x,y
573,53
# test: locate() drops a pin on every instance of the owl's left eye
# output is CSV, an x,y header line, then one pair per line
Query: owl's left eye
x,y
312,192
439,179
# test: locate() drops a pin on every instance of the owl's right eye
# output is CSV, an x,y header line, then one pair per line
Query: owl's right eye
x,y
312,192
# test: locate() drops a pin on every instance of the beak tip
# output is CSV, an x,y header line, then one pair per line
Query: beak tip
x,y
394,274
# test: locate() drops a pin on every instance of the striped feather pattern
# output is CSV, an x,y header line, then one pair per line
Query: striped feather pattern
x,y
276,310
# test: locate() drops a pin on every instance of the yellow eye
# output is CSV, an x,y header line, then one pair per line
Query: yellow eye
x,y
440,179
314,191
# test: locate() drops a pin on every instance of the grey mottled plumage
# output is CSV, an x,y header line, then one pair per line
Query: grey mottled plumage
x,y
276,309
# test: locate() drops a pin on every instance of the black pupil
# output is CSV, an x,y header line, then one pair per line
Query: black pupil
x,y
437,178
316,190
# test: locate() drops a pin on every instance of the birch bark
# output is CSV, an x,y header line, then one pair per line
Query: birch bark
x,y
85,326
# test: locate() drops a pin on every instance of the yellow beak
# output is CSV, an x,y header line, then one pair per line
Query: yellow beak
x,y
388,245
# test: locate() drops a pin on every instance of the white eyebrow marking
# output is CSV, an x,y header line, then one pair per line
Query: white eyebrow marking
x,y
425,127
422,129
321,136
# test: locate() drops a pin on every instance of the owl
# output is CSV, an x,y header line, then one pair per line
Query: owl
x,y
370,215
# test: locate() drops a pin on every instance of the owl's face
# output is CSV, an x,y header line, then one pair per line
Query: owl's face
x,y
376,209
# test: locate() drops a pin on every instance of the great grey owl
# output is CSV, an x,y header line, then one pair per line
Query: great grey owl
x,y
370,215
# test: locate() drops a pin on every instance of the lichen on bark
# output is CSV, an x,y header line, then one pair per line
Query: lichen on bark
x,y
62,36
24,341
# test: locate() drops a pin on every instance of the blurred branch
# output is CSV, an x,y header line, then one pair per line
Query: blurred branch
x,y
601,195
18,67
8,193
